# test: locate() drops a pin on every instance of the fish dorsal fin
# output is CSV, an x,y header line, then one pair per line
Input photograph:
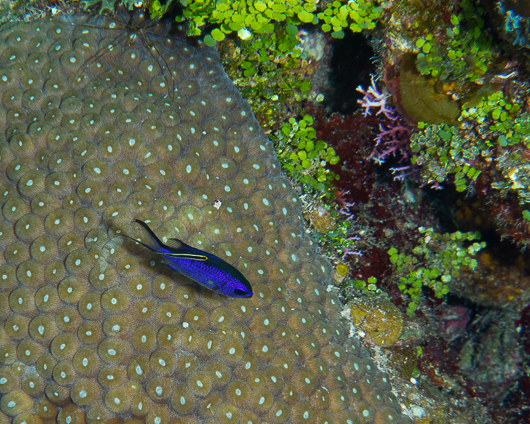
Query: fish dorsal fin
x,y
173,248
174,243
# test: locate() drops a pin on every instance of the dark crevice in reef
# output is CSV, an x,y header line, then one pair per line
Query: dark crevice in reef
x,y
351,66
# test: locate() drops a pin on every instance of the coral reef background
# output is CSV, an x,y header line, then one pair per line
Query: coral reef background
x,y
416,190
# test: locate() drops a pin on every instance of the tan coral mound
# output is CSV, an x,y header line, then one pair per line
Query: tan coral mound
x,y
93,329
378,318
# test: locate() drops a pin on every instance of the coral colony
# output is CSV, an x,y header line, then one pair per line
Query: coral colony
x,y
394,134
93,330
374,99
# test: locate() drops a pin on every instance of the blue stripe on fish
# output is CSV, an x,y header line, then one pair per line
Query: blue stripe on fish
x,y
206,269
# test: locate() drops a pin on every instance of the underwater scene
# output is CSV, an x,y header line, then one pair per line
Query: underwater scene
x,y
265,211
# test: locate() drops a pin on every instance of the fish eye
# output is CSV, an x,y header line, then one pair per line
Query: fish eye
x,y
239,292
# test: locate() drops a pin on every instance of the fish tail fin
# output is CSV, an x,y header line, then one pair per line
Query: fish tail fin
x,y
139,242
155,239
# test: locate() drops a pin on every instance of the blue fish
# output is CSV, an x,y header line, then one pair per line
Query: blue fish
x,y
206,269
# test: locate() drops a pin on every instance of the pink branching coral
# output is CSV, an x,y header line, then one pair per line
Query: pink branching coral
x,y
347,251
341,200
393,138
394,133
373,98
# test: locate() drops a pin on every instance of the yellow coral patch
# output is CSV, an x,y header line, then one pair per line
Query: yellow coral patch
x,y
379,319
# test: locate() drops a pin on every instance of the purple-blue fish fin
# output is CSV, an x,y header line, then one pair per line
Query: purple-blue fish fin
x,y
175,243
140,242
214,287
168,264
156,240
178,248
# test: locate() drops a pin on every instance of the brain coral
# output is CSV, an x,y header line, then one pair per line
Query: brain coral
x,y
97,131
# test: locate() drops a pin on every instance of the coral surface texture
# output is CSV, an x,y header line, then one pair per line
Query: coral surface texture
x,y
98,128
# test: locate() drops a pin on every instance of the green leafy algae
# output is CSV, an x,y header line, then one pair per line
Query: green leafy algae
x,y
435,262
442,150
252,17
368,287
303,157
493,131
104,5
270,73
450,41
463,53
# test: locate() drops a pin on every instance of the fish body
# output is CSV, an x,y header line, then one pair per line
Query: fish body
x,y
206,269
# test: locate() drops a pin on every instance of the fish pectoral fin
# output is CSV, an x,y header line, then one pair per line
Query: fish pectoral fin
x,y
210,285
191,256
